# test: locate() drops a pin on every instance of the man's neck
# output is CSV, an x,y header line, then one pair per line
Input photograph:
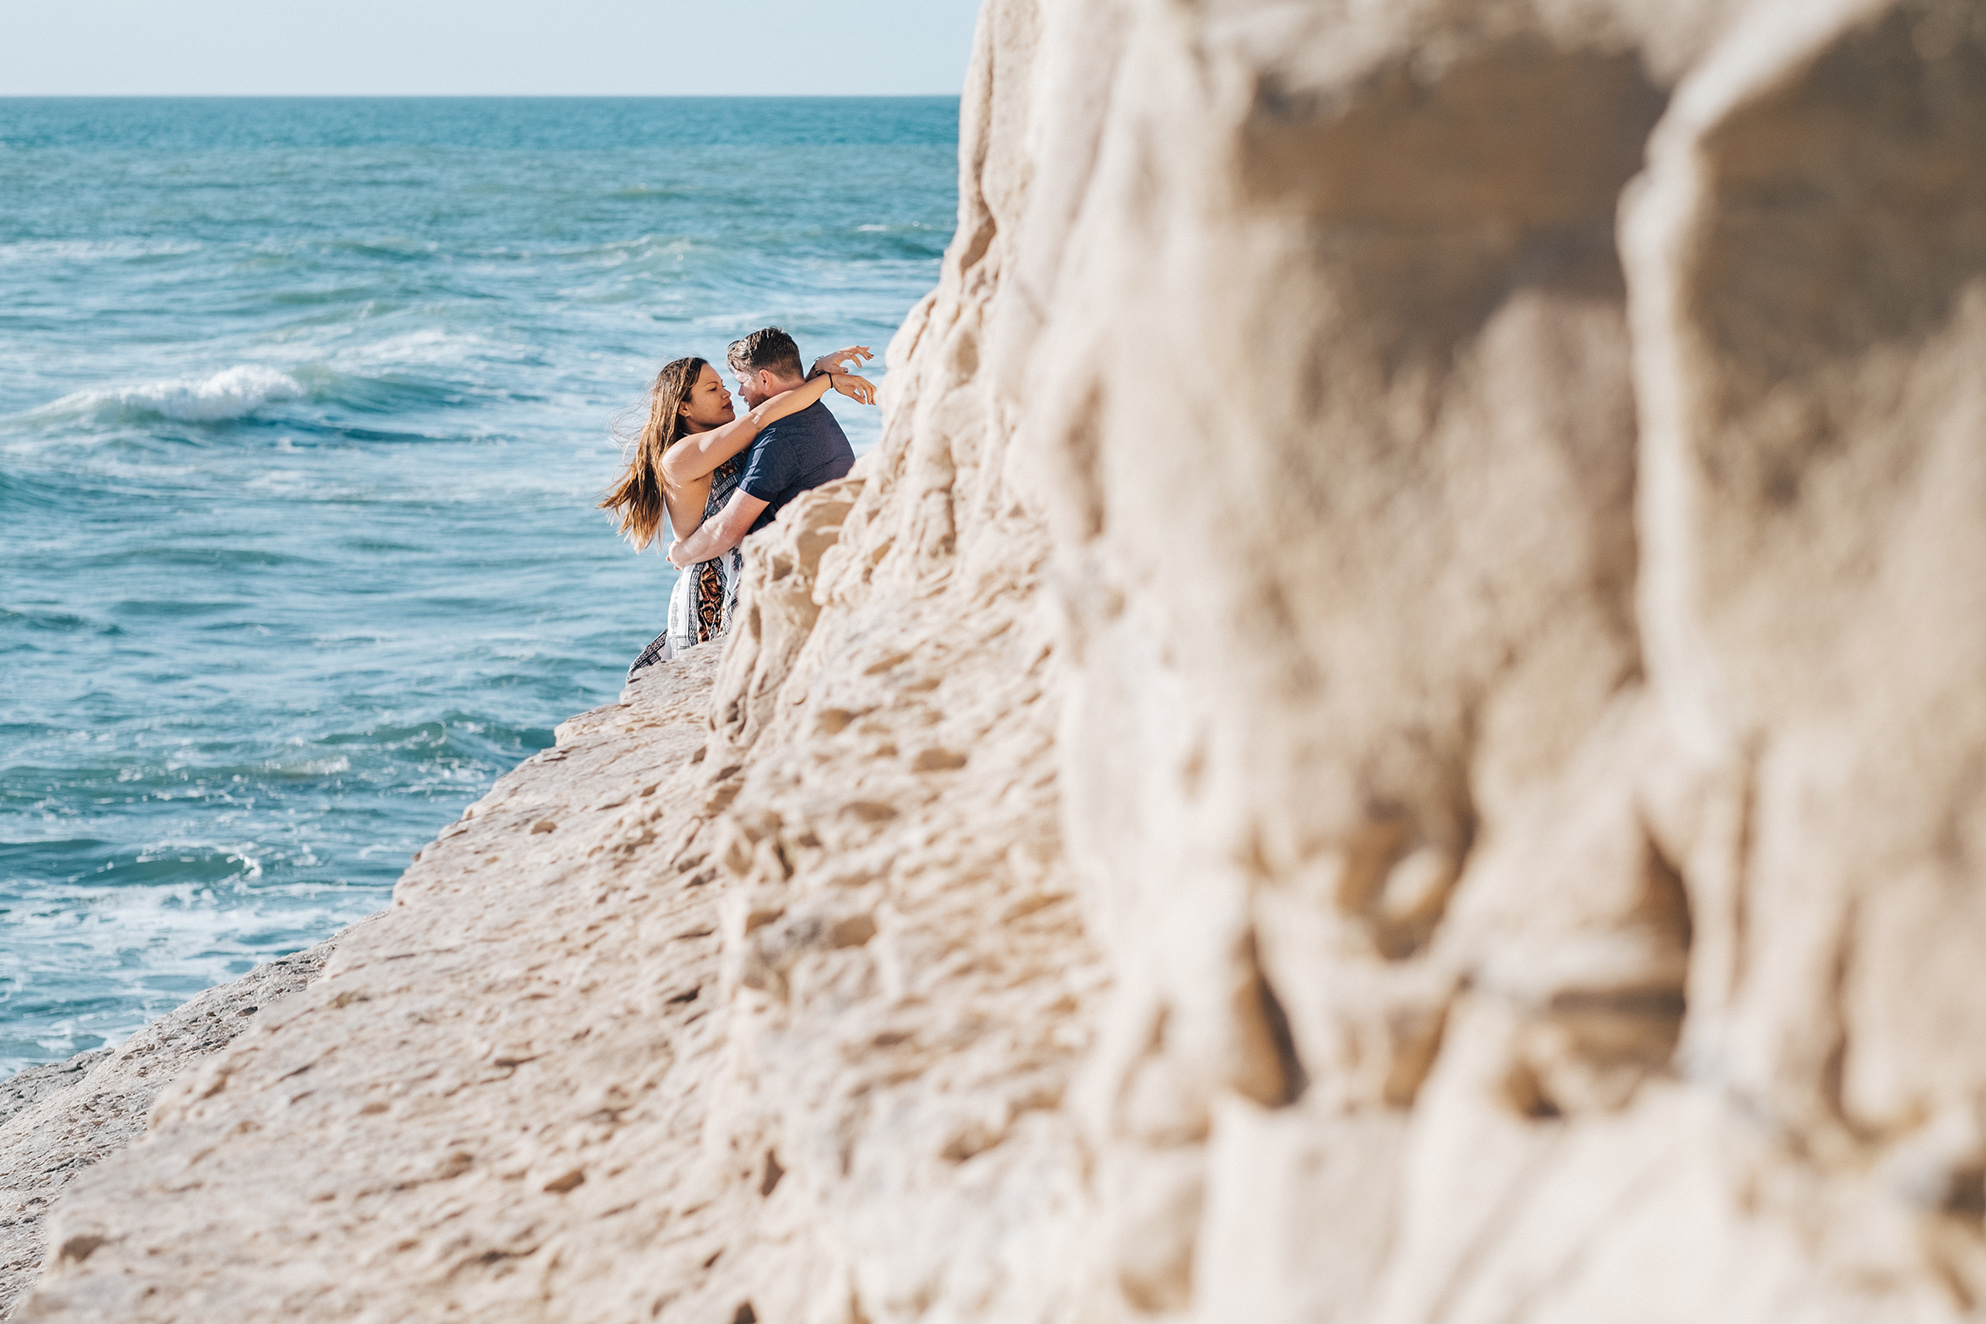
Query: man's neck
x,y
781,385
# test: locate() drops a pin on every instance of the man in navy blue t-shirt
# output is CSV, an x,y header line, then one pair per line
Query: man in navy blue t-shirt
x,y
792,455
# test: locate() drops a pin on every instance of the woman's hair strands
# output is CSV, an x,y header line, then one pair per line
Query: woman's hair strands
x,y
638,494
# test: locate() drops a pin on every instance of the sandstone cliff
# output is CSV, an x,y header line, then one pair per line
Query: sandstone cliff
x,y
1393,732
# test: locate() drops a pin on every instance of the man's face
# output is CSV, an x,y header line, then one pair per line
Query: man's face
x,y
755,387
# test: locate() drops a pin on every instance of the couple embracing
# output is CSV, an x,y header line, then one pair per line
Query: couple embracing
x,y
718,477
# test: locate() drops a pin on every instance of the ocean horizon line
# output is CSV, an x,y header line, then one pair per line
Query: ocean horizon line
x,y
480,96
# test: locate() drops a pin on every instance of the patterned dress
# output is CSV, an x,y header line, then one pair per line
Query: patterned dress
x,y
700,607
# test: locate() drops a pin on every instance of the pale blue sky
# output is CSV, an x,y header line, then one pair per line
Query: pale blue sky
x,y
485,47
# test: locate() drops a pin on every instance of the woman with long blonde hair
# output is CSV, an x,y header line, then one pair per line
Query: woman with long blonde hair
x,y
683,465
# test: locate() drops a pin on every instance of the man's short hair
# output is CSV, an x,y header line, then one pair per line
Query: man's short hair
x,y
769,348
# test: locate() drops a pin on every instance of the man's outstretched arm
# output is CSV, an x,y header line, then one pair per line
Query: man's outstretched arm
x,y
720,535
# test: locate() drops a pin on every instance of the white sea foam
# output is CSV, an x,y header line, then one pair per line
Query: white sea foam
x,y
233,393
119,956
308,767
424,350
89,250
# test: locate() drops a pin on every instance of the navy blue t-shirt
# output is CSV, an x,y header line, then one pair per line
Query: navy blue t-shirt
x,y
794,455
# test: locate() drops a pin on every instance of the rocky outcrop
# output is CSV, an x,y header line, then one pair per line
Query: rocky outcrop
x,y
58,1120
1390,733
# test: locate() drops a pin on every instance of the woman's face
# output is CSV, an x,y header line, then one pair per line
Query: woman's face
x,y
709,405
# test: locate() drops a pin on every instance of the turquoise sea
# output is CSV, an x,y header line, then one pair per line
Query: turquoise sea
x,y
304,406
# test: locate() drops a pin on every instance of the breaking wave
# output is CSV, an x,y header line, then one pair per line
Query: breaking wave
x,y
234,393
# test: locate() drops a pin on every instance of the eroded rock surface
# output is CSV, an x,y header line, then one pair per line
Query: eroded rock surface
x,y
1392,732
58,1120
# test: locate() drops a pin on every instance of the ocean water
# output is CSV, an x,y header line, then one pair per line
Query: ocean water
x,y
304,407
